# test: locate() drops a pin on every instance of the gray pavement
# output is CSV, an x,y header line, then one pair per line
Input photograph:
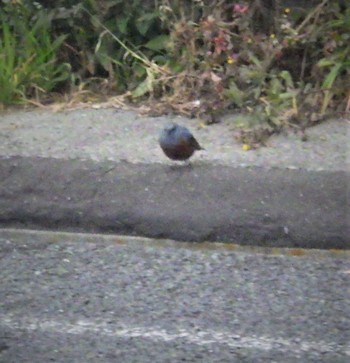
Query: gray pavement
x,y
92,298
103,171
117,135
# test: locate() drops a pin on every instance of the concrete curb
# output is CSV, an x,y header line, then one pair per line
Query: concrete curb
x,y
202,202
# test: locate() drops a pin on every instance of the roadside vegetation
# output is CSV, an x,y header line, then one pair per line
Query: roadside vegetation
x,y
275,66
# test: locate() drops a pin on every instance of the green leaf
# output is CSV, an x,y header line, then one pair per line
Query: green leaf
x,y
144,22
331,76
287,78
158,43
160,59
327,84
254,60
145,86
275,87
235,94
175,66
141,89
122,24
142,27
139,70
286,95
325,62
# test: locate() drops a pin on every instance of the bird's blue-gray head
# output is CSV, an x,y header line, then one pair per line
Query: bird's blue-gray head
x,y
170,128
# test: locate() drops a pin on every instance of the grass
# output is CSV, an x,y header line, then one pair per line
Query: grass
x,y
28,60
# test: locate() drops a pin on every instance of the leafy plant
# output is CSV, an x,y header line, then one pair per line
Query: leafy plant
x,y
111,39
336,60
277,66
292,70
28,60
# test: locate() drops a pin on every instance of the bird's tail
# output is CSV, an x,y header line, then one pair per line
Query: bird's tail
x,y
195,144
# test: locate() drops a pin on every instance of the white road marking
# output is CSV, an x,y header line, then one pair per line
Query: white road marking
x,y
198,337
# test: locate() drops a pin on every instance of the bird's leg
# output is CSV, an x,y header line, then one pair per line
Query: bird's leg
x,y
188,164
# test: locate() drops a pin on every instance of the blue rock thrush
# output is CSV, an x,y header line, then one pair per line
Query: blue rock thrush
x,y
177,142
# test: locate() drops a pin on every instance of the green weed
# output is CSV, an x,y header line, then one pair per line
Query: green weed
x,y
28,60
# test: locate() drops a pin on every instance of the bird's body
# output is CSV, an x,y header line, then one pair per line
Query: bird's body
x,y
178,143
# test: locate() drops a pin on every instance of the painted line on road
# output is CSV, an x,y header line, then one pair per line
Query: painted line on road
x,y
197,336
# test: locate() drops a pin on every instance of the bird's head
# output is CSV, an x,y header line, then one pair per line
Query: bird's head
x,y
170,128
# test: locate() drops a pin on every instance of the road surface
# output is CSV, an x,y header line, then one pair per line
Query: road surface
x,y
93,298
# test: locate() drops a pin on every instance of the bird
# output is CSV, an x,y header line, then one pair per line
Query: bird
x,y
177,142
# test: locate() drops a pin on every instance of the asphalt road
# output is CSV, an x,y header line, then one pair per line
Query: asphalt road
x,y
90,298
